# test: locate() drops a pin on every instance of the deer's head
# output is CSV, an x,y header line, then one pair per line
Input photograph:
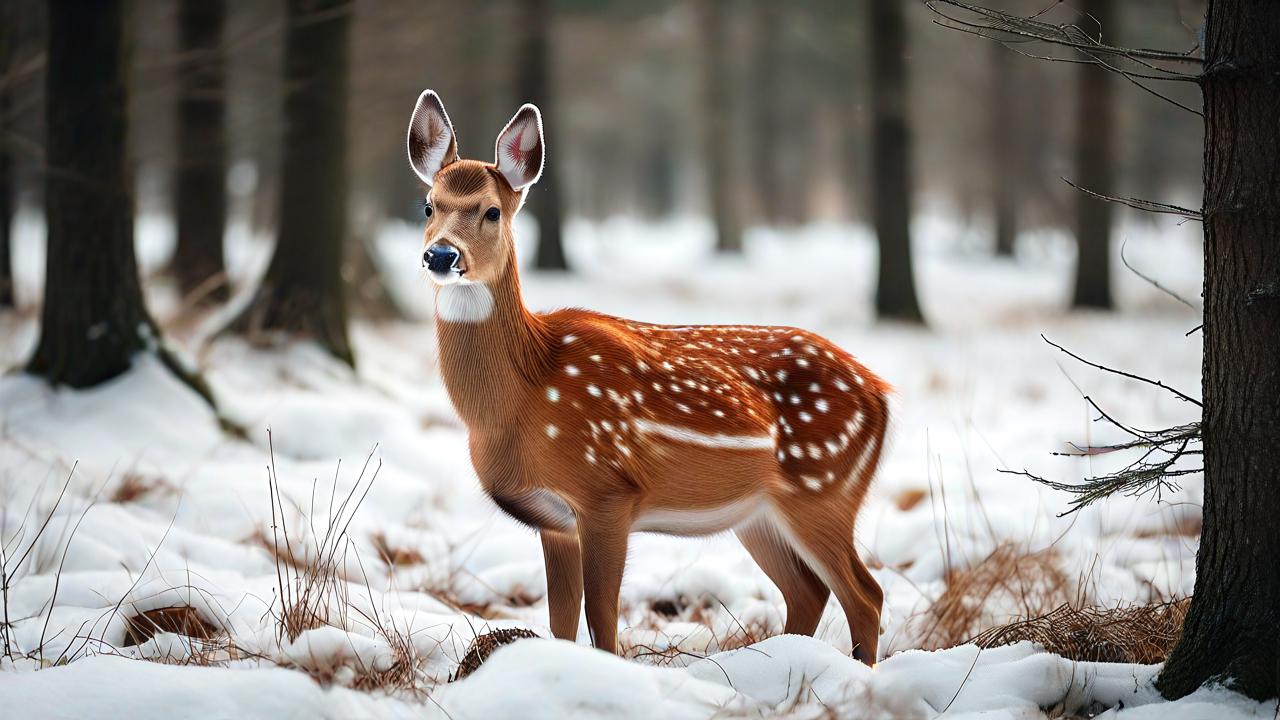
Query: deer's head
x,y
470,204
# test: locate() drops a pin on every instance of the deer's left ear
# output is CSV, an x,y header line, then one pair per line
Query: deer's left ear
x,y
520,148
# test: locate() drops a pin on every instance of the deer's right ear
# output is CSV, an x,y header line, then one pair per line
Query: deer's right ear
x,y
432,144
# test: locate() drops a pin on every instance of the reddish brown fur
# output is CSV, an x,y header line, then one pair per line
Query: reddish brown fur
x,y
588,427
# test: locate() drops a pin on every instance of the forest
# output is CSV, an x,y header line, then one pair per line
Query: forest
x,y
700,358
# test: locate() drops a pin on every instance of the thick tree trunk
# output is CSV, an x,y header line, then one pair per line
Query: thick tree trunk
x,y
891,165
534,84
1094,161
302,291
1230,633
1004,151
201,196
717,140
93,321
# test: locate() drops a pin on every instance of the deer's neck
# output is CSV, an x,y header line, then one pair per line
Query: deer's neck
x,y
492,350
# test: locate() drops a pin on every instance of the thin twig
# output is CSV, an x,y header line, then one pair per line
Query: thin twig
x,y
1122,373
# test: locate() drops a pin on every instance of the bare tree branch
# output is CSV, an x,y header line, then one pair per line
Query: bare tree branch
x,y
1153,281
1122,373
1140,204
1008,30
1064,35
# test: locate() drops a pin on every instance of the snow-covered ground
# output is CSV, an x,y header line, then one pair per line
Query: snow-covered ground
x,y
163,509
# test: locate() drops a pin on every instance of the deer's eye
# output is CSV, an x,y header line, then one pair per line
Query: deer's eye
x,y
426,208
493,214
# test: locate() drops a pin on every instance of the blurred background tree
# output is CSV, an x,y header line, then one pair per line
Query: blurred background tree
x,y
302,291
8,37
200,195
93,321
750,114
1094,166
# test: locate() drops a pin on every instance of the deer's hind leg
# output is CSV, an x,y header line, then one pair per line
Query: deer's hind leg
x,y
823,536
804,592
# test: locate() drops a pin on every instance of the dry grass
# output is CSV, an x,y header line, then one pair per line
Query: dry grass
x,y
909,498
1143,634
134,486
1024,584
313,591
1047,608
663,611
395,556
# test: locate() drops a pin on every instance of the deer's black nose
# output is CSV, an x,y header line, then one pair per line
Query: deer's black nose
x,y
440,257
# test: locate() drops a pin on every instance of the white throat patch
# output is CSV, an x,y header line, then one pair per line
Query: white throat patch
x,y
464,302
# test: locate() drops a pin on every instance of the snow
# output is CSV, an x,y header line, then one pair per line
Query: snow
x,y
162,508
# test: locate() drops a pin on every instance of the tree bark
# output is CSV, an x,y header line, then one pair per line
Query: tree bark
x,y
534,82
767,120
1230,634
891,165
717,140
201,195
1004,148
302,292
93,321
1094,169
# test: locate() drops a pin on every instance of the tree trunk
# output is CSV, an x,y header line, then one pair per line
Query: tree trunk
x,y
1094,121
1004,151
201,195
891,165
93,321
8,42
767,119
534,83
302,291
717,141
1230,631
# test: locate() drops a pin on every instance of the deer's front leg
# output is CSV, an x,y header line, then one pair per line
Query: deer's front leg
x,y
603,539
563,558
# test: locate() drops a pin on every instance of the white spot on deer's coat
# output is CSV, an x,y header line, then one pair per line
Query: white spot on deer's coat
x,y
553,394
822,405
571,370
593,390
552,431
569,338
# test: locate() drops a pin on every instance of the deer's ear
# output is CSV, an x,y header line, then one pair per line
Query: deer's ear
x,y
432,144
520,148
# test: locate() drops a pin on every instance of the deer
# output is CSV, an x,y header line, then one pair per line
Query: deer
x,y
587,427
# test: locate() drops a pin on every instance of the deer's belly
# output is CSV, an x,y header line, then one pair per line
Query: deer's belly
x,y
700,521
